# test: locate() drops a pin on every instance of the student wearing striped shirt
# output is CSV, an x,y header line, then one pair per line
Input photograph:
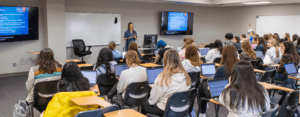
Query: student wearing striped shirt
x,y
105,62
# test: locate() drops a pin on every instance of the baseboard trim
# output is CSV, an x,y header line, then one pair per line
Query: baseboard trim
x,y
13,74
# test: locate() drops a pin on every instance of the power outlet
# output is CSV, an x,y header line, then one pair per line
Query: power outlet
x,y
14,64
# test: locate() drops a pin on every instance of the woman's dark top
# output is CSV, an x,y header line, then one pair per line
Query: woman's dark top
x,y
222,73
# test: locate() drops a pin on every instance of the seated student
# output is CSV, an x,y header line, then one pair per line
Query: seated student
x,y
244,100
229,37
135,73
261,46
255,39
229,58
215,52
281,44
162,46
252,34
295,39
236,43
133,46
276,38
192,61
171,80
266,39
116,53
46,69
298,46
243,38
190,41
248,51
287,36
105,62
274,51
72,80
184,42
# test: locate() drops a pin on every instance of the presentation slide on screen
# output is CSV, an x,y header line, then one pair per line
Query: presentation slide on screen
x,y
13,21
177,21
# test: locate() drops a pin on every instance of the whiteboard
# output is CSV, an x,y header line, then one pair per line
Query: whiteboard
x,y
278,24
93,28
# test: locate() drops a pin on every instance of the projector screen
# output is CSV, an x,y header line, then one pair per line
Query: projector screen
x,y
18,23
176,23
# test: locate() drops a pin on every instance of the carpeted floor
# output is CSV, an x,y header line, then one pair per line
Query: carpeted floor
x,y
13,88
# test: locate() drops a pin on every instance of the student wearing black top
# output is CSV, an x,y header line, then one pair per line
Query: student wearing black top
x,y
236,43
261,46
229,37
161,45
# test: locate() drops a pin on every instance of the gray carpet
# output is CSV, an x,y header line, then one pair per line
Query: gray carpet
x,y
13,88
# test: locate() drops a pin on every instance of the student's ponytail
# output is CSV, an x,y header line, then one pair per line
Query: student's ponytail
x,y
277,51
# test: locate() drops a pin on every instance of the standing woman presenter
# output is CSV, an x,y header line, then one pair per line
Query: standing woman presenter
x,y
129,36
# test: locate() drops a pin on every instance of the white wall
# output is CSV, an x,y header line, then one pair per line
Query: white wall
x,y
16,52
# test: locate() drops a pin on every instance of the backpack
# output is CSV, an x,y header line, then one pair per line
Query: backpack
x,y
22,109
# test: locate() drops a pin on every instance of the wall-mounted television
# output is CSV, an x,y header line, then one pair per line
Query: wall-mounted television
x,y
176,23
18,23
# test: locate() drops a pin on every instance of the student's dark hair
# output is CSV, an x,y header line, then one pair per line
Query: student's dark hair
x,y
237,39
132,27
244,35
229,36
105,55
244,88
266,37
290,49
298,42
72,79
46,61
133,46
261,41
285,58
218,44
277,35
295,37
282,40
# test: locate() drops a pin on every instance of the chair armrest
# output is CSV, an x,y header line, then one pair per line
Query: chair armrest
x,y
151,115
120,97
89,47
119,104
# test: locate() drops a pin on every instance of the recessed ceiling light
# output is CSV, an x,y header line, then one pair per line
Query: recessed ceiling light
x,y
264,2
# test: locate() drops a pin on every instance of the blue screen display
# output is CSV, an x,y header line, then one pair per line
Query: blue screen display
x,y
120,68
90,75
290,68
177,21
208,69
152,74
13,21
217,86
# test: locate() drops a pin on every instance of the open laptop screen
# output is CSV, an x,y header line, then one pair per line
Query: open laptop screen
x,y
208,69
290,68
120,68
152,74
217,86
204,51
90,75
123,55
259,54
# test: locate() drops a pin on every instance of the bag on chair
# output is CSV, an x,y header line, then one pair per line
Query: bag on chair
x,y
22,109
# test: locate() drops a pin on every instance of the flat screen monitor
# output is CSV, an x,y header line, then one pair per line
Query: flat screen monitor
x,y
148,39
18,23
176,23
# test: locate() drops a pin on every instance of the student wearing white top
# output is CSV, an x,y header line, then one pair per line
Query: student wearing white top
x,y
295,39
247,100
274,51
192,61
135,73
216,52
189,41
105,62
171,80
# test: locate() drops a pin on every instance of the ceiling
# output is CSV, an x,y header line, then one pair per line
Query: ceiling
x,y
218,2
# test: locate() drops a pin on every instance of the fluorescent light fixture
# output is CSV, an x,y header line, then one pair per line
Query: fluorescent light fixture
x,y
263,2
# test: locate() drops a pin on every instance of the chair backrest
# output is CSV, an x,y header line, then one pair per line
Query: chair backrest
x,y
136,94
289,105
195,77
217,60
44,88
79,45
203,90
179,104
148,58
106,83
97,112
267,76
254,63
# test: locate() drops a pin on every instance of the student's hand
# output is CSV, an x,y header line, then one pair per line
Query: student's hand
x,y
134,36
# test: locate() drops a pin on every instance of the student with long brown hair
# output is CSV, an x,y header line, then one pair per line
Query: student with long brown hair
x,y
133,46
182,52
248,51
261,46
46,69
116,53
266,38
192,61
276,38
287,36
171,80
274,51
295,39
229,58
129,36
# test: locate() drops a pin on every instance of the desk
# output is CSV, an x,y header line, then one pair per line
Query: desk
x,y
74,60
90,100
35,52
259,71
274,65
149,65
85,65
143,54
124,113
146,48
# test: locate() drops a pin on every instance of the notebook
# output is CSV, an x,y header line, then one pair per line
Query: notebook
x,y
152,74
217,86
291,70
91,76
203,51
120,68
208,70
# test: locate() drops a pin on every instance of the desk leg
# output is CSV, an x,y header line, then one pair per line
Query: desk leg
x,y
217,107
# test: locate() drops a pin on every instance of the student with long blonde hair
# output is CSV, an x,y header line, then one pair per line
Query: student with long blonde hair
x,y
274,51
192,61
248,51
171,80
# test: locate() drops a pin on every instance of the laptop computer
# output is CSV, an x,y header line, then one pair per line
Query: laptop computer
x,y
91,76
203,51
123,55
259,54
291,70
152,74
120,68
216,87
208,70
